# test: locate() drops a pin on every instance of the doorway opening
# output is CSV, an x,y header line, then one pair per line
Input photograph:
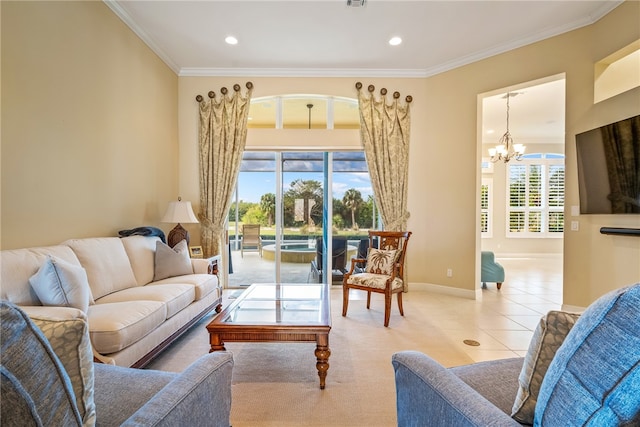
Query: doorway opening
x,y
521,202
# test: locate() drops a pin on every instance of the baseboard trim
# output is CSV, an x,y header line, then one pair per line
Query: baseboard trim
x,y
573,308
512,255
446,290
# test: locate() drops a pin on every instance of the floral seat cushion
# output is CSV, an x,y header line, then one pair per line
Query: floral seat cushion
x,y
376,281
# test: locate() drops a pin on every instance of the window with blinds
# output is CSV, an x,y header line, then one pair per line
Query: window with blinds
x,y
536,196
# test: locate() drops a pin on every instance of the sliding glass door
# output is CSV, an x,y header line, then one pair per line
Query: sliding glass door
x,y
293,196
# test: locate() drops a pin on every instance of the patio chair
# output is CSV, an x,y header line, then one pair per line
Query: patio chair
x,y
251,238
384,270
363,250
338,259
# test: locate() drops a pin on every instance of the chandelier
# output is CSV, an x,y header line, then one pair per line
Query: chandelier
x,y
506,149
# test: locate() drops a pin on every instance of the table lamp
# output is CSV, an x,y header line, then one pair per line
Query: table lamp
x,y
179,212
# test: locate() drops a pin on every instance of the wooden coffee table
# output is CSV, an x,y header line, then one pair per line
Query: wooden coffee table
x,y
272,312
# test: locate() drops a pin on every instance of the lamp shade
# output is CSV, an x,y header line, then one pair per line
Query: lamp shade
x,y
180,212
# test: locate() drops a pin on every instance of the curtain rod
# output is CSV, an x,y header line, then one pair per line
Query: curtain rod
x,y
224,91
383,92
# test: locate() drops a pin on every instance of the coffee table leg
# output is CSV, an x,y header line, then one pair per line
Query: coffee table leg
x,y
216,343
322,356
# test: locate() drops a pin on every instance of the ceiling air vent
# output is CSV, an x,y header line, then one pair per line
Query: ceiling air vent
x,y
355,3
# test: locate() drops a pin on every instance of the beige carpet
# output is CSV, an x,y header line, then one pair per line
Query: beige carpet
x,y
276,384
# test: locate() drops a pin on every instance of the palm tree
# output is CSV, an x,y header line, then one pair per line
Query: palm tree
x,y
352,199
268,206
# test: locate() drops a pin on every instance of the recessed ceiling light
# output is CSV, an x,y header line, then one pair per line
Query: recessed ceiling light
x,y
395,41
231,40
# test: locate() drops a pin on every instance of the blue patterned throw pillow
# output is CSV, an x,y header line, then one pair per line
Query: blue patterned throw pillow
x,y
34,385
594,378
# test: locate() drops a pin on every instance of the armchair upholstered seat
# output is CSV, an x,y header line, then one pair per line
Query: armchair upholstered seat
x,y
383,272
490,270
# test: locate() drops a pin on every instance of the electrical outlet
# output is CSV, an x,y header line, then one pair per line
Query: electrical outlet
x,y
449,272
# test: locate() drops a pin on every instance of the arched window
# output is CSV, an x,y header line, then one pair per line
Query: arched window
x,y
304,111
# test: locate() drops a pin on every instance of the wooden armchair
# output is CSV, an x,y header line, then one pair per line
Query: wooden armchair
x,y
251,238
384,270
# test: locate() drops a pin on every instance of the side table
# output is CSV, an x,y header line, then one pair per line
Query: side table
x,y
214,265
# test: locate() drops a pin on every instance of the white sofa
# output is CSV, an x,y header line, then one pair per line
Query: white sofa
x,y
131,317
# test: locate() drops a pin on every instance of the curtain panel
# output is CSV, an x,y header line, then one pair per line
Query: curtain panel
x,y
221,138
384,131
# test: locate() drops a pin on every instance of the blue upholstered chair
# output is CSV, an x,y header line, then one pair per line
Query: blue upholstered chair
x,y
54,383
491,270
592,379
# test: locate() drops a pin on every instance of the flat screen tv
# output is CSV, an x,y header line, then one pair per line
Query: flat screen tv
x,y
609,168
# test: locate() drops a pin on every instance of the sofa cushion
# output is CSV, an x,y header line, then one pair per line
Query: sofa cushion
x,y
495,380
52,311
69,338
117,325
594,377
36,386
141,251
170,262
175,296
18,265
203,284
106,262
60,283
547,338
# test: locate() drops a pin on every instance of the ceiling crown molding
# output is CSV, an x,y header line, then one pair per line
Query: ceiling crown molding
x,y
299,72
126,18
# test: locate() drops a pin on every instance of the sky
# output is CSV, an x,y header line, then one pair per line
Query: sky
x,y
252,185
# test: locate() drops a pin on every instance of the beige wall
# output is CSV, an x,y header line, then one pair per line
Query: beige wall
x,y
445,153
89,125
596,263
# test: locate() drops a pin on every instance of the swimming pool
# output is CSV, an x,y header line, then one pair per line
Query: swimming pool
x,y
290,252
299,252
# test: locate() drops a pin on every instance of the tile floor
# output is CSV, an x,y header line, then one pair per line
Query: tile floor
x,y
501,321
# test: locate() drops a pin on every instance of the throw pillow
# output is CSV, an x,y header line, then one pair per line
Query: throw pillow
x,y
594,377
547,338
172,262
33,380
381,261
60,283
69,339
